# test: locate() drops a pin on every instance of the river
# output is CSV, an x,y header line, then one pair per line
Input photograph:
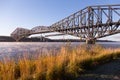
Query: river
x,y
14,48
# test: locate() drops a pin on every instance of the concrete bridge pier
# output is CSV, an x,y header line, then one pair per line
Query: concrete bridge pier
x,y
90,41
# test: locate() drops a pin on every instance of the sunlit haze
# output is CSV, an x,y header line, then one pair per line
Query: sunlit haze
x,y
31,13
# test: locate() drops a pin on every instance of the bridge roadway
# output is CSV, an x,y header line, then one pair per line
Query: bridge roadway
x,y
90,23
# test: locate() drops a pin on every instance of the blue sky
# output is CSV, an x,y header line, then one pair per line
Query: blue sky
x,y
31,13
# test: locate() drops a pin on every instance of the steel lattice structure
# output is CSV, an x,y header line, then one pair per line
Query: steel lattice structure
x,y
90,23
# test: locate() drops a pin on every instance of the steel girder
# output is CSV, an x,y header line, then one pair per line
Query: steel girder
x,y
91,22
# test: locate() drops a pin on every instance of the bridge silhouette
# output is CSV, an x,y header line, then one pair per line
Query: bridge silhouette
x,y
90,23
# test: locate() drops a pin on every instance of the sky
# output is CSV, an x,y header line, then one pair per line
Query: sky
x,y
31,13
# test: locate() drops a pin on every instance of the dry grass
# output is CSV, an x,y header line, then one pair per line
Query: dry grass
x,y
67,64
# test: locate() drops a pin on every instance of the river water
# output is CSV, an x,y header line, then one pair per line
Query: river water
x,y
14,48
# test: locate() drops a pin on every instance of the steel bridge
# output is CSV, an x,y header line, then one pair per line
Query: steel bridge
x,y
90,23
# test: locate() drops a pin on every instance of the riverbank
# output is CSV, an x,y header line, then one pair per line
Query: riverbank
x,y
67,64
107,71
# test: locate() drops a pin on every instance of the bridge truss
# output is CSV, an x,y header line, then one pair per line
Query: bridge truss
x,y
89,23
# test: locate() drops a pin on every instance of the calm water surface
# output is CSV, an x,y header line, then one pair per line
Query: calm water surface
x,y
15,48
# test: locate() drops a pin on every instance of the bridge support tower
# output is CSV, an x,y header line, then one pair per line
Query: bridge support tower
x,y
90,41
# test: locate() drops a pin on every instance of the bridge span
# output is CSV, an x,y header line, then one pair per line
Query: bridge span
x,y
90,23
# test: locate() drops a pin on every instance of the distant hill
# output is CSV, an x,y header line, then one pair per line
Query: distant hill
x,y
6,39
42,39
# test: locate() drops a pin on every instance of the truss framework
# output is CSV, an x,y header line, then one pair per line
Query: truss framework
x,y
89,23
